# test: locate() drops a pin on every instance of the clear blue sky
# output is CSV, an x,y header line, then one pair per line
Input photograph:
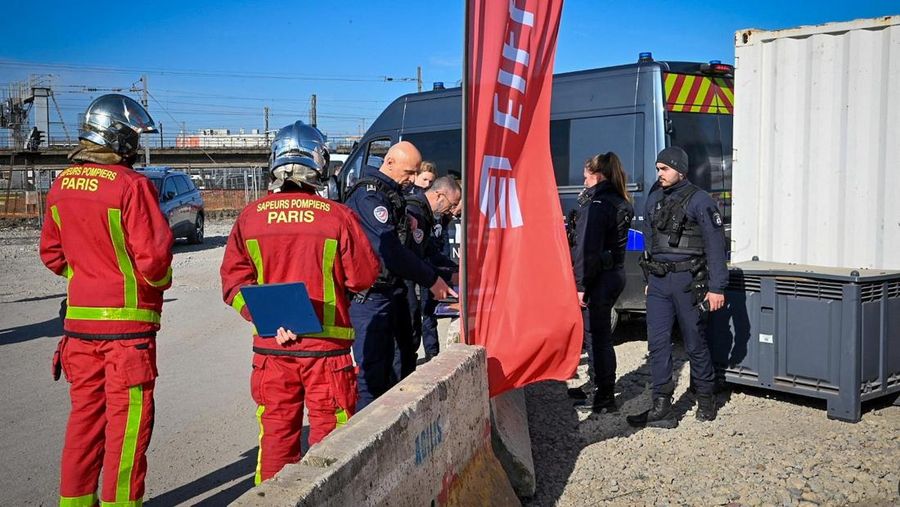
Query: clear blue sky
x,y
264,56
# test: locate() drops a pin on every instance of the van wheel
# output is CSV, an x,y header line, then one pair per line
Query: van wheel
x,y
196,236
613,320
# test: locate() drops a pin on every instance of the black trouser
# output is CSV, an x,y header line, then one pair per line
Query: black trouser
x,y
602,296
668,298
406,349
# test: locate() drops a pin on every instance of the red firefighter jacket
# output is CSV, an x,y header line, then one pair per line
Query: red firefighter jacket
x,y
301,237
104,231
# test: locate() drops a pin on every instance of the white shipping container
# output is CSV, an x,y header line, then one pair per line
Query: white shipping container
x,y
816,167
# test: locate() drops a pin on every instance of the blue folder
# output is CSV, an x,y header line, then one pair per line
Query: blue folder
x,y
284,305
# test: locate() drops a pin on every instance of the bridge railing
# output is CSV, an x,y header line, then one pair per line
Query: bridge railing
x,y
23,192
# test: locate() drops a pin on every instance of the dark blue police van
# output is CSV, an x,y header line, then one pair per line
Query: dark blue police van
x,y
635,110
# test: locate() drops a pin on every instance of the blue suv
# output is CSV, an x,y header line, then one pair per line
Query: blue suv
x,y
179,200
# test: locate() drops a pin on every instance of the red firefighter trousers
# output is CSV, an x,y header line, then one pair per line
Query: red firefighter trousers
x,y
111,420
280,386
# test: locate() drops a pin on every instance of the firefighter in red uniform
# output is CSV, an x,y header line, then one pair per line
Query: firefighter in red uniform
x,y
293,235
104,232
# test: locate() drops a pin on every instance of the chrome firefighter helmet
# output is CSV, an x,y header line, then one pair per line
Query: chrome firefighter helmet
x,y
299,154
117,122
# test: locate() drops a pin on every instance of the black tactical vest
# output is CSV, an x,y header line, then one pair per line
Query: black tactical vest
x,y
674,232
624,215
421,202
398,213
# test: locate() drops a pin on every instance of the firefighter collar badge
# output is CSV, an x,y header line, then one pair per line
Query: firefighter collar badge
x,y
438,230
381,214
418,235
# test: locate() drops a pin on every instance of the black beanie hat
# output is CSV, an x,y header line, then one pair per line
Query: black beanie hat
x,y
674,157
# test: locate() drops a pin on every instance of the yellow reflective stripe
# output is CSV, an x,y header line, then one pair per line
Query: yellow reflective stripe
x,y
701,95
341,416
129,503
258,478
55,213
341,333
165,280
129,443
670,84
683,93
91,313
256,257
727,90
78,501
238,302
329,299
125,266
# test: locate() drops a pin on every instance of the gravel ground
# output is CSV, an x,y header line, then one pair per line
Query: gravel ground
x,y
763,449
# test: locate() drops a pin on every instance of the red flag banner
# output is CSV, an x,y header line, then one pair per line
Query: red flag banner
x,y
520,298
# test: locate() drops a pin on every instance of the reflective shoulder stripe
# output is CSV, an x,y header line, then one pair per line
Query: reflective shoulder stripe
x,y
329,298
238,302
341,333
162,282
91,313
256,257
125,266
89,500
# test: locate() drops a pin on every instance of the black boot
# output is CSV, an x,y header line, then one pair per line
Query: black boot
x,y
706,407
604,401
660,416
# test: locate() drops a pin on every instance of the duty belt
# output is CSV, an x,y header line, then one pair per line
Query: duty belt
x,y
661,268
301,353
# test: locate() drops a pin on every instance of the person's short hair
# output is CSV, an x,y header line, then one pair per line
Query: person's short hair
x,y
428,166
447,184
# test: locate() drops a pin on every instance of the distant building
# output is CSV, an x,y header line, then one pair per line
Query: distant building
x,y
223,138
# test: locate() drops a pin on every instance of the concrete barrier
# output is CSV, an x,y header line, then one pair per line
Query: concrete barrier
x,y
426,442
512,441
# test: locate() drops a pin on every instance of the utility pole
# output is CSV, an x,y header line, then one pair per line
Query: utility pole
x,y
419,77
146,105
312,111
160,136
266,118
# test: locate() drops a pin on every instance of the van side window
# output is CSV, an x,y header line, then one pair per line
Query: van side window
x,y
573,142
443,147
559,151
376,151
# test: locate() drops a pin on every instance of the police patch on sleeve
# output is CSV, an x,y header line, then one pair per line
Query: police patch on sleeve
x,y
381,214
418,235
715,217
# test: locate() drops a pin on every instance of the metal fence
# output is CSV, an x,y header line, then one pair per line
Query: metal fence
x,y
23,192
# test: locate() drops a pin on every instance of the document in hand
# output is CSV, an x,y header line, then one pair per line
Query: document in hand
x,y
284,305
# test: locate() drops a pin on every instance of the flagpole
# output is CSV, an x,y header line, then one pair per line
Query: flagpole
x,y
463,240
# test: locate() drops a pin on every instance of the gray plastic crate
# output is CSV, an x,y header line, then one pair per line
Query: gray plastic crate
x,y
821,332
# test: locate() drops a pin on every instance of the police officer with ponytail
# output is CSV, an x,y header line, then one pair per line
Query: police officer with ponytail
x,y
686,276
598,255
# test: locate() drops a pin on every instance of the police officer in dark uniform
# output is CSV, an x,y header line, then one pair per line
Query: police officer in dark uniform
x,y
687,275
598,255
428,208
381,315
